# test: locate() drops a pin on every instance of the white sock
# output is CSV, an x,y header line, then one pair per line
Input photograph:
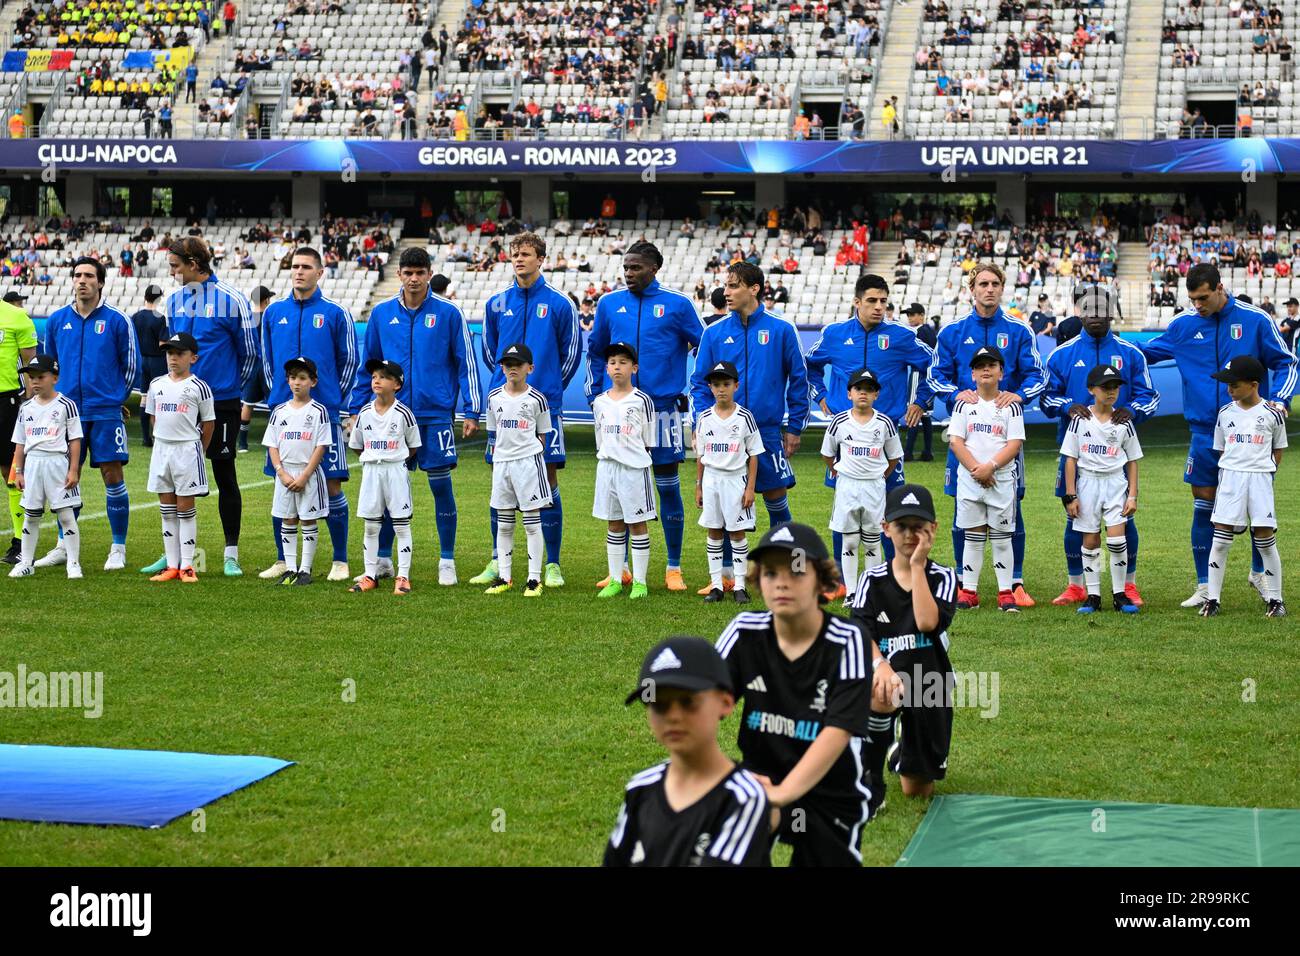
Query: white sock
x,y
1076,580
1218,562
310,535
71,537
615,548
405,546
870,551
1272,566
232,551
31,534
289,542
171,531
1092,570
640,557
849,555
1118,548
715,563
536,544
739,560
973,559
1002,559
371,551
188,522
506,545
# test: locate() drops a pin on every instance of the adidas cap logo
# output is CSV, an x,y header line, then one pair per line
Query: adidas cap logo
x,y
909,499
666,660
782,534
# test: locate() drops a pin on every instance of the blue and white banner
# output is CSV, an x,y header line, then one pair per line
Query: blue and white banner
x,y
755,157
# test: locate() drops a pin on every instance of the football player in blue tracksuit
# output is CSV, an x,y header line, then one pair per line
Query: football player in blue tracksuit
x,y
950,378
1202,340
665,328
220,318
428,337
95,346
892,352
309,325
1066,397
529,310
773,380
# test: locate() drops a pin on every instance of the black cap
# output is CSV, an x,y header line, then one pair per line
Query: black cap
x,y
152,293
864,375
1105,375
620,348
388,368
909,501
261,294
688,663
303,363
519,352
1042,297
722,369
181,342
42,363
986,354
792,536
1244,368
1292,301
914,309
13,297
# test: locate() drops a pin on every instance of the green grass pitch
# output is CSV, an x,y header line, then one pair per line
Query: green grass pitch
x,y
491,730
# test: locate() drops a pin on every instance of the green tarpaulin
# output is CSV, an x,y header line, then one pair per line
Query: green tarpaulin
x,y
972,830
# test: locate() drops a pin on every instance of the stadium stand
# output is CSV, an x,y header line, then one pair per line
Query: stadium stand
x,y
992,70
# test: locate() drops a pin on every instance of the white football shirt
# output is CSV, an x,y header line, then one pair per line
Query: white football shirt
x,y
625,428
1102,448
1247,437
385,437
297,432
986,429
179,407
862,449
518,423
727,444
47,428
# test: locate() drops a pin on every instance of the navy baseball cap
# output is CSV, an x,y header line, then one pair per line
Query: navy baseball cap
x,y
1244,368
388,368
864,376
909,501
687,663
518,353
41,363
1105,375
620,348
305,364
181,342
916,308
723,369
985,355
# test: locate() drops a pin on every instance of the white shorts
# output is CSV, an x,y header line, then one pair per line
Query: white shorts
x,y
385,485
520,485
859,505
178,467
44,475
1101,500
1244,499
995,507
623,493
723,492
309,504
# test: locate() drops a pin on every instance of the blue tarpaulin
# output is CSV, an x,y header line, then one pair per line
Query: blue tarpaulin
x,y
138,788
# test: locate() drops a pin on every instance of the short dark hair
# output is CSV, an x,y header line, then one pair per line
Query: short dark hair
x,y
718,299
439,283
308,251
647,249
100,271
1203,274
415,257
869,281
748,273
192,249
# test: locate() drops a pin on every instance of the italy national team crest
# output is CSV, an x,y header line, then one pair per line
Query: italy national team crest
x,y
209,310
430,320
763,337
1003,340
1117,361
542,310
659,311
318,321
884,342
100,326
1235,331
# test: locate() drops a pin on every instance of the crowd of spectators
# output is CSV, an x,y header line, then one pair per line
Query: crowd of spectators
x,y
112,23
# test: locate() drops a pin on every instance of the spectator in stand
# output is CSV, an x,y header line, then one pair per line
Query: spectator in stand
x,y
228,16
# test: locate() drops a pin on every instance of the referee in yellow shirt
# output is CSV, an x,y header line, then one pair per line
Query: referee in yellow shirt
x,y
17,348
